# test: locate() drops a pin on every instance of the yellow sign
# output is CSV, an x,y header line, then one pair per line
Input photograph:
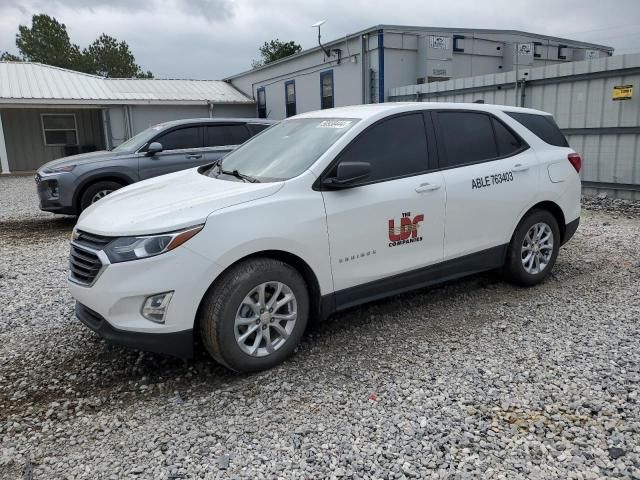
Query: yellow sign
x,y
622,92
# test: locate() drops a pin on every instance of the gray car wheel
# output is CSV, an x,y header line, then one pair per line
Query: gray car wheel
x,y
97,191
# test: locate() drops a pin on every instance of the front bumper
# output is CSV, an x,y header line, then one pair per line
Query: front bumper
x,y
53,194
111,306
177,344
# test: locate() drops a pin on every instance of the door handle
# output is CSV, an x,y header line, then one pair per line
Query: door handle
x,y
518,167
426,187
194,156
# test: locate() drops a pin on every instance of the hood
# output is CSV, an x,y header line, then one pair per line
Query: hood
x,y
82,159
167,203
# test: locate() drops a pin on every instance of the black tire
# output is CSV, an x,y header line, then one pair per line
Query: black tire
x,y
94,188
514,270
222,301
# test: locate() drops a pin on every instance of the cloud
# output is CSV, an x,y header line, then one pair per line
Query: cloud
x,y
215,10
216,38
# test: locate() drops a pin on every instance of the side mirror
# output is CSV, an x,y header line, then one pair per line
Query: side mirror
x,y
347,174
153,148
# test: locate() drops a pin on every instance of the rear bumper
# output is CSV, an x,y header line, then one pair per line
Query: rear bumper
x,y
570,230
177,344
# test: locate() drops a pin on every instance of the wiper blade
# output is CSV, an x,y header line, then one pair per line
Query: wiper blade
x,y
237,174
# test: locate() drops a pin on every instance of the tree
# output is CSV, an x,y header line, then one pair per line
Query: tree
x,y
48,42
9,57
275,50
109,58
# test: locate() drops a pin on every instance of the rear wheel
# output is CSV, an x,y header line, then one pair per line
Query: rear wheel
x,y
254,316
533,249
97,191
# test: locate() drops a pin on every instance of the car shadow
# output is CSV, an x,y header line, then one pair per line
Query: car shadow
x,y
35,227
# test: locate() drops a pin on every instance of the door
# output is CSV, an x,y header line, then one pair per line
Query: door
x,y
181,149
220,139
490,175
393,222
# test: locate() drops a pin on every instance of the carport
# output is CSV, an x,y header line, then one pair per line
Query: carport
x,y
48,112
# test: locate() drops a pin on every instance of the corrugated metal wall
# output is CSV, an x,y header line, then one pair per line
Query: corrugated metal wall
x,y
579,95
25,142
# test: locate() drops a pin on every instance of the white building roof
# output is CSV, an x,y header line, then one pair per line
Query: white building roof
x,y
36,83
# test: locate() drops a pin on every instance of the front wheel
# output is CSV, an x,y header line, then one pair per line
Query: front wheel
x,y
533,249
97,191
254,316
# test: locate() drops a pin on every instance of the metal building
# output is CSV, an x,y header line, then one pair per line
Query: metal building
x,y
364,66
48,112
595,102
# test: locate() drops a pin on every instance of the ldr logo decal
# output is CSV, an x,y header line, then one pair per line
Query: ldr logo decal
x,y
407,232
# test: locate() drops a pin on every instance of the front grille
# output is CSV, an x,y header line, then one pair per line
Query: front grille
x,y
84,266
95,242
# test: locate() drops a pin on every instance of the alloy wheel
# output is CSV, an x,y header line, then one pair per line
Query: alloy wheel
x,y
265,319
537,248
100,195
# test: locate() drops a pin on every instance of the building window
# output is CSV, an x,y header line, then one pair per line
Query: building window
x,y
262,103
290,97
59,129
326,89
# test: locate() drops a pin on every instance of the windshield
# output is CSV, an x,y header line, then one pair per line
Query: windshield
x,y
137,141
285,150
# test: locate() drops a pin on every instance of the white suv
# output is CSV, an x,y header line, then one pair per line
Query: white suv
x,y
319,213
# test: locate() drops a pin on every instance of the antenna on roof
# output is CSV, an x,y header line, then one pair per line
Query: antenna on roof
x,y
318,25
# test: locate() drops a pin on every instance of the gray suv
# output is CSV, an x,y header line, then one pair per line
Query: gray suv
x,y
69,185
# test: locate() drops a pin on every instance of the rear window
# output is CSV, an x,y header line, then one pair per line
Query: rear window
x,y
543,126
467,137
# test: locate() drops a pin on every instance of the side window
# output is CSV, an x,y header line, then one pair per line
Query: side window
x,y
290,97
507,142
188,137
543,126
236,134
262,103
467,137
395,147
256,128
214,136
326,89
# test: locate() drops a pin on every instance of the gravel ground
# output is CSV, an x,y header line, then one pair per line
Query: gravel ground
x,y
474,379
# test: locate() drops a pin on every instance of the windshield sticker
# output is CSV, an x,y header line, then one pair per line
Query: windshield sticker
x,y
335,124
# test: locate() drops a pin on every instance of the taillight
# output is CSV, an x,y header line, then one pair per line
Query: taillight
x,y
576,161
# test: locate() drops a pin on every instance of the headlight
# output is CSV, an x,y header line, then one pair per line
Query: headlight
x,y
125,249
65,168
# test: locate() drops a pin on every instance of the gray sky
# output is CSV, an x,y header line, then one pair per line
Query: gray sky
x,y
214,38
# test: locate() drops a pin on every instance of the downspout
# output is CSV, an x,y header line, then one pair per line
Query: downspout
x,y
380,66
106,127
4,159
210,103
363,66
125,118
130,115
522,92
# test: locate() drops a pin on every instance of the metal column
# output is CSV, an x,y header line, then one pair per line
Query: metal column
x,y
4,159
